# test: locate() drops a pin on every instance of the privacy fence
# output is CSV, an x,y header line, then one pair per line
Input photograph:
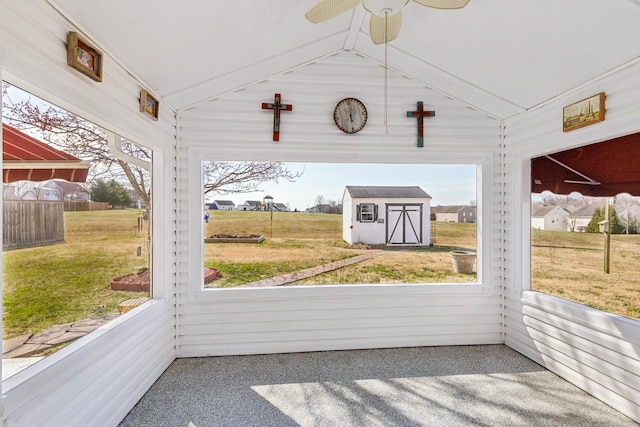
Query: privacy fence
x,y
31,222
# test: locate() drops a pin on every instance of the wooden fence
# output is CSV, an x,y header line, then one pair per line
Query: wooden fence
x,y
31,222
70,206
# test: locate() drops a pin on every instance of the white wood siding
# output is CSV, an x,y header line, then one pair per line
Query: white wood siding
x,y
234,127
597,351
96,380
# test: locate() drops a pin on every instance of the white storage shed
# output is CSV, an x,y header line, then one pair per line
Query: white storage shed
x,y
386,215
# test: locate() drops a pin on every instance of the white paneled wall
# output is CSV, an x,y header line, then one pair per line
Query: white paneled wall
x,y
97,379
234,127
599,352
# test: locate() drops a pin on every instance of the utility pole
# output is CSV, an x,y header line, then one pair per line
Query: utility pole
x,y
607,237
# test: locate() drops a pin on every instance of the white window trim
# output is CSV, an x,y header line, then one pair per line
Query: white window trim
x,y
198,293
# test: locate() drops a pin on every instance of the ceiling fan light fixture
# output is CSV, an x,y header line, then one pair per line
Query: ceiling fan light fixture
x,y
382,7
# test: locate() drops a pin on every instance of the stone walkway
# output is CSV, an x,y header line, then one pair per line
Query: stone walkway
x,y
310,272
30,344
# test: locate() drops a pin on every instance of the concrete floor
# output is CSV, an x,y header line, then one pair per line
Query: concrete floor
x,y
426,386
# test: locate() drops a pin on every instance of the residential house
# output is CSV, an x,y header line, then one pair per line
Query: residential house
x,y
551,218
454,213
224,205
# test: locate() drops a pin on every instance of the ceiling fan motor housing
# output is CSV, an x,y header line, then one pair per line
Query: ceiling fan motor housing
x,y
380,7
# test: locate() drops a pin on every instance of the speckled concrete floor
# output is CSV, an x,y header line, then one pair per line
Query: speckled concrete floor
x,y
426,386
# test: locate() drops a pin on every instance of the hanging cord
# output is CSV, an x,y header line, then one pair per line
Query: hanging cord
x,y
386,127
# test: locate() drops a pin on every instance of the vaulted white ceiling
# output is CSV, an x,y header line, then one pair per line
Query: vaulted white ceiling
x,y
500,56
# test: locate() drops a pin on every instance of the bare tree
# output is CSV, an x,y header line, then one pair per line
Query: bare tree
x,y
39,193
243,177
80,138
319,202
333,206
623,203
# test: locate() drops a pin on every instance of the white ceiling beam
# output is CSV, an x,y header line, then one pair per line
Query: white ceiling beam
x,y
359,16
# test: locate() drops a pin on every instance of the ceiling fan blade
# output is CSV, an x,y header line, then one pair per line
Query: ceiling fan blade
x,y
376,27
327,9
443,4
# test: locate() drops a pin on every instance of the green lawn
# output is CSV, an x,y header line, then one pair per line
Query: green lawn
x,y
55,284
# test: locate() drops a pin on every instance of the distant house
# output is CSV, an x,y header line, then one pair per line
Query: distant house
x,y
454,213
280,207
553,218
580,218
253,204
224,205
65,190
325,208
243,207
386,215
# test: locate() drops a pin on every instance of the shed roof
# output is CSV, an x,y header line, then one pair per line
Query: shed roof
x,y
538,211
224,202
449,209
383,192
588,210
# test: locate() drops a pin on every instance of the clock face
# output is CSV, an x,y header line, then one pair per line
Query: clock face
x,y
350,115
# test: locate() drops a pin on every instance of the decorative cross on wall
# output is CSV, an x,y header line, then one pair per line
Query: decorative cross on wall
x,y
420,114
276,106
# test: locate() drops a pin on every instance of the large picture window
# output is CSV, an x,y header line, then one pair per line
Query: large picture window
x,y
304,228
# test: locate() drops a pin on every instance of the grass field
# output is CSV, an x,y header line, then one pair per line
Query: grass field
x,y
303,240
571,266
49,285
55,284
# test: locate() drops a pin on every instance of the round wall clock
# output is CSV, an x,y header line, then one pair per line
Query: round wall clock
x,y
350,115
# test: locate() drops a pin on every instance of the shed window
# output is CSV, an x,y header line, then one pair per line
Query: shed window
x,y
367,212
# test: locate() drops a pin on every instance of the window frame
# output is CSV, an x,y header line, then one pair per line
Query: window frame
x,y
361,212
487,281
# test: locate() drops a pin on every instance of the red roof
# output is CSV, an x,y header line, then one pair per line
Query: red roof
x,y
26,158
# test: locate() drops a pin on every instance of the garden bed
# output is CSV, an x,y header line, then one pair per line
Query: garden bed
x,y
234,238
141,281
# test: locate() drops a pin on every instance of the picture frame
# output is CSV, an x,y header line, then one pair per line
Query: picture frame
x,y
584,112
84,57
149,105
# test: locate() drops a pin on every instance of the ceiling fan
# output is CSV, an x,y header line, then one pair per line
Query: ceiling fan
x,y
386,15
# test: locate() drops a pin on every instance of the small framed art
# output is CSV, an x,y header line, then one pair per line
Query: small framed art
x,y
583,113
84,57
149,105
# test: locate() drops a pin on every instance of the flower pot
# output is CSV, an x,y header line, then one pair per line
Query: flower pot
x,y
463,261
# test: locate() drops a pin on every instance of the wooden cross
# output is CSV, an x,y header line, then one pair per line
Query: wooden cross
x,y
420,114
276,106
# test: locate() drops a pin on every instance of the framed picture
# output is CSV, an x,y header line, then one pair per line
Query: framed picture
x,y
149,105
583,113
84,57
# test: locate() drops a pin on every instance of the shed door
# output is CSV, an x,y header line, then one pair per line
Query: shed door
x,y
404,224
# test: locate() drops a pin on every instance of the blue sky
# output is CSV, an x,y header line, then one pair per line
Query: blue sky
x,y
446,184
